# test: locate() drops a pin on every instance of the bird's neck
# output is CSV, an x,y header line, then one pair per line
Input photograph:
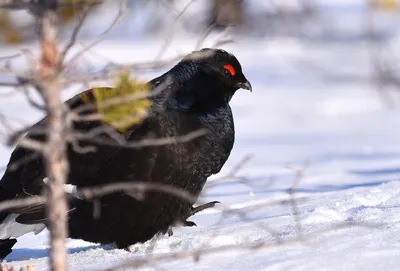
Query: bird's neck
x,y
204,94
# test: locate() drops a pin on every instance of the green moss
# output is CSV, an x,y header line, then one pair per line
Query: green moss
x,y
128,112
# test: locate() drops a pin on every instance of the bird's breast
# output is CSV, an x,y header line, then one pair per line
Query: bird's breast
x,y
207,154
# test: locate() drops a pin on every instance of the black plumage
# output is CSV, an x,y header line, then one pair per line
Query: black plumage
x,y
195,95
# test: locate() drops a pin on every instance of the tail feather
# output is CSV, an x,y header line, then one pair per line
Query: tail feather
x,y
6,247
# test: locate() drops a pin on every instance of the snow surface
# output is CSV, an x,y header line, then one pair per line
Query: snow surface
x,y
302,109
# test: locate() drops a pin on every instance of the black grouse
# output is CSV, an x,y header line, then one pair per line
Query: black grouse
x,y
195,95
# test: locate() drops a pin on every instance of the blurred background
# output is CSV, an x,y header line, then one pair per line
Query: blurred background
x,y
345,20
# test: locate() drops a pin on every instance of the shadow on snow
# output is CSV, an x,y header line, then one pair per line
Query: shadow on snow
x,y
20,254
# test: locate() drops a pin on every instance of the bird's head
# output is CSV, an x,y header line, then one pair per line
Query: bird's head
x,y
222,67
209,78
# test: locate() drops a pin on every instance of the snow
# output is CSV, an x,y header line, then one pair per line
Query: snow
x,y
311,101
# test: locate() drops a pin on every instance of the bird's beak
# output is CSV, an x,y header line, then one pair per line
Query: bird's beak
x,y
245,85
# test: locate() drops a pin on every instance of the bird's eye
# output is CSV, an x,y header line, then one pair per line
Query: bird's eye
x,y
227,73
229,70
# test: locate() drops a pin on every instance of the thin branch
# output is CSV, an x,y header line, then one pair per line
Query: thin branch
x,y
79,149
10,57
31,144
23,202
122,11
31,101
170,35
123,99
113,69
147,142
74,35
106,129
36,6
22,161
299,173
11,84
134,188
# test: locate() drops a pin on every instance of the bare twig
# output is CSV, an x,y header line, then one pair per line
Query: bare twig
x,y
120,99
299,173
22,202
74,35
31,101
31,144
147,142
123,10
170,35
20,162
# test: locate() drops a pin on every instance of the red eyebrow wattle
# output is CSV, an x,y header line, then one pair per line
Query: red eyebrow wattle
x,y
231,69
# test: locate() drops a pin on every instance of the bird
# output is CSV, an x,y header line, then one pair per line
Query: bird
x,y
194,95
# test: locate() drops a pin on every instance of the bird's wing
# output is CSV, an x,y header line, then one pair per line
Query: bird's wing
x,y
108,163
87,168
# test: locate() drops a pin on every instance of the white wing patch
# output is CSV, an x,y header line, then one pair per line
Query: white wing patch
x,y
10,228
69,188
